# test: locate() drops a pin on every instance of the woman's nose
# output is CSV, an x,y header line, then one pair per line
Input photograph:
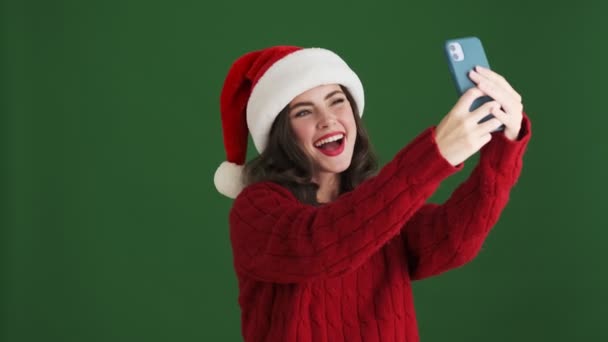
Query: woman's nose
x,y
326,119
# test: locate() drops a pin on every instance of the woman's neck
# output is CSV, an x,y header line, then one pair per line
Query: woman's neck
x,y
329,186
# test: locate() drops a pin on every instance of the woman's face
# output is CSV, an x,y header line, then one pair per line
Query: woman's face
x,y
323,122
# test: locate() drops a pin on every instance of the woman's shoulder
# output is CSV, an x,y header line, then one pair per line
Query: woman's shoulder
x,y
262,200
265,190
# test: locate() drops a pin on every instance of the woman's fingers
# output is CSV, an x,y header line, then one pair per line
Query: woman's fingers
x,y
506,97
512,122
483,111
488,127
466,100
499,89
459,134
497,78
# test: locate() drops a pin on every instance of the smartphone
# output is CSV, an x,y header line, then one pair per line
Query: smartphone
x,y
463,54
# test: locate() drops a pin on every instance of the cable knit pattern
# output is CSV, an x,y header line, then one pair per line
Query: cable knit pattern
x,y
342,271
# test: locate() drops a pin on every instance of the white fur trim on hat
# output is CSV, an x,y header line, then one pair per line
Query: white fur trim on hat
x,y
290,76
228,179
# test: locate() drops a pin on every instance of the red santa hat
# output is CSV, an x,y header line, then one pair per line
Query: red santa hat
x,y
258,86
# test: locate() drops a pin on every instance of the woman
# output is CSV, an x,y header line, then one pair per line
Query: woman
x,y
324,250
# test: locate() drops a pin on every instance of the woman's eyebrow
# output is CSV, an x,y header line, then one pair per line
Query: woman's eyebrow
x,y
299,104
333,93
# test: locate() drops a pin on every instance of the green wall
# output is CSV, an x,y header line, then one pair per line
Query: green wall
x,y
111,228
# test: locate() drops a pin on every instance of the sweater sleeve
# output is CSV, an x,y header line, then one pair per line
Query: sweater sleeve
x,y
442,237
276,238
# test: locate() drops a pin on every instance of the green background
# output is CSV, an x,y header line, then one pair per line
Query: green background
x,y
111,228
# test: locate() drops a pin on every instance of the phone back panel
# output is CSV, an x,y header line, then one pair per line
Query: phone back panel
x,y
472,54
463,54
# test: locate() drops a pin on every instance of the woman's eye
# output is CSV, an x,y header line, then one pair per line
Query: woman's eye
x,y
301,113
338,101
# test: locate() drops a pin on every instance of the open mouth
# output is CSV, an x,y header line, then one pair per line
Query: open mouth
x,y
332,145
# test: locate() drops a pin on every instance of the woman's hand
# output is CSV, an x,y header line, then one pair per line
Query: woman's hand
x,y
495,86
459,135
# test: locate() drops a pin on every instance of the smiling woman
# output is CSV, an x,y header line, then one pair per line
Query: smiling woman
x,y
324,248
325,129
330,153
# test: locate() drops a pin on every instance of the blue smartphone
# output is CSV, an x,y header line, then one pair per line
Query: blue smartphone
x,y
463,54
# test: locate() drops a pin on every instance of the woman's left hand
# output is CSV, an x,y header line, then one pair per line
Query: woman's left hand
x,y
495,86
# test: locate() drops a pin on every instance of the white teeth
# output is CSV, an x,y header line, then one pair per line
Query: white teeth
x,y
328,140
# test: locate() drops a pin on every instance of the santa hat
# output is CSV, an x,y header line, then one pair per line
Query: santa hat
x,y
258,86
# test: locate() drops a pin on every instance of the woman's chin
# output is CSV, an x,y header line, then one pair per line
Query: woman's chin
x,y
335,166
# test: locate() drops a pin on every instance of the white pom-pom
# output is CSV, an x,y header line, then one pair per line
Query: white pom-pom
x,y
228,179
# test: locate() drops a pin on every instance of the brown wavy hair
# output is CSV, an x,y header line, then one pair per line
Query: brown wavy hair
x,y
284,163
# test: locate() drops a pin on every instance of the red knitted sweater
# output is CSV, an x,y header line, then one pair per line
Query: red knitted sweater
x,y
342,271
